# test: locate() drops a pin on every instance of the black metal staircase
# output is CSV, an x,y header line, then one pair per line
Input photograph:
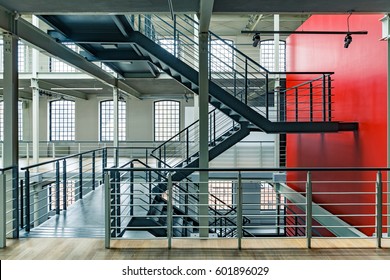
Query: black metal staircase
x,y
244,94
242,90
185,208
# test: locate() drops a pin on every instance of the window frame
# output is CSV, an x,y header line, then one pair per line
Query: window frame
x,y
163,139
271,55
121,136
73,122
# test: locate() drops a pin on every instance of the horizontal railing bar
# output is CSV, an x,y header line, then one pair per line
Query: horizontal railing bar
x,y
267,169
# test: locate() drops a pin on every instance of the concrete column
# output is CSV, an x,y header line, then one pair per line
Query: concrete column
x,y
35,119
115,98
35,98
203,133
11,142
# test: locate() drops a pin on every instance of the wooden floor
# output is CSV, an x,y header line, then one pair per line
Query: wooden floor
x,y
265,249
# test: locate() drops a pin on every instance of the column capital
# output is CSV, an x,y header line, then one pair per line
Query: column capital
x,y
34,83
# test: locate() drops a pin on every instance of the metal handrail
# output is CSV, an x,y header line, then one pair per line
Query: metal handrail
x,y
223,216
59,159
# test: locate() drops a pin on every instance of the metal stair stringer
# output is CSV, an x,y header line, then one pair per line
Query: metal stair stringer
x,y
188,77
214,151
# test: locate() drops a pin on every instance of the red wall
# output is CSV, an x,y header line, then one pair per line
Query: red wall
x,y
360,94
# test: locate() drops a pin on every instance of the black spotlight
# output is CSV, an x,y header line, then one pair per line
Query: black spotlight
x,y
256,39
347,40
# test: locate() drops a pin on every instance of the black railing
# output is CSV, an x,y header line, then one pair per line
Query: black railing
x,y
191,200
50,187
184,145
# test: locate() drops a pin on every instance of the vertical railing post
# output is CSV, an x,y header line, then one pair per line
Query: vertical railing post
x,y
170,211
107,210
379,209
309,213
15,204
174,36
186,202
58,187
210,58
64,185
278,204
329,98
104,161
296,104
235,84
21,203
150,186
165,155
214,129
117,188
3,210
324,97
266,96
81,176
187,146
239,210
93,170
27,186
311,101
132,189
246,81
210,129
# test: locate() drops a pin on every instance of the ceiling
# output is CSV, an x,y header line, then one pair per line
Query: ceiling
x,y
186,6
70,17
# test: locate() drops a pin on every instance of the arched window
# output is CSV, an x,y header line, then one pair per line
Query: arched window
x,y
62,120
20,120
221,56
166,119
267,55
107,120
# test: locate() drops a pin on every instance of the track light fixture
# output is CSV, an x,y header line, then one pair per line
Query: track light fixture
x,y
347,40
256,39
348,37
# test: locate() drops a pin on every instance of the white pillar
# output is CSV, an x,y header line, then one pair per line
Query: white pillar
x,y
35,98
35,120
11,142
115,97
203,133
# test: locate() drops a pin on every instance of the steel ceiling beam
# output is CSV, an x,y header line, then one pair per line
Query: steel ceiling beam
x,y
43,41
44,85
314,32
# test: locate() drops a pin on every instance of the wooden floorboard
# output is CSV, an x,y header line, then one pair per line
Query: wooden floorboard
x,y
265,249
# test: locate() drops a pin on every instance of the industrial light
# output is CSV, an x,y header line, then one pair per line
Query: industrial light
x,y
347,40
348,37
256,39
77,88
